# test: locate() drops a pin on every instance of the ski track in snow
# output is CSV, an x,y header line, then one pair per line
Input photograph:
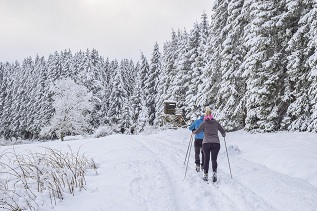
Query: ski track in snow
x,y
205,197
154,173
253,187
146,173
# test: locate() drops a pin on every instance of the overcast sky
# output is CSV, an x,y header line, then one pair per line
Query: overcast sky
x,y
116,28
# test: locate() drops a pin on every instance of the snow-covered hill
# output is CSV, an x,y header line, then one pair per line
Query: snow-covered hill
x,y
274,171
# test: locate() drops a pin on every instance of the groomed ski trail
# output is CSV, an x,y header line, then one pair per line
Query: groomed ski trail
x,y
253,187
145,173
202,196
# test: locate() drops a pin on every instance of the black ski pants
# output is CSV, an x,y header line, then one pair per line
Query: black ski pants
x,y
213,149
198,149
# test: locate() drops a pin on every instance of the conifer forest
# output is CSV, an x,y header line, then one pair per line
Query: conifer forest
x,y
254,62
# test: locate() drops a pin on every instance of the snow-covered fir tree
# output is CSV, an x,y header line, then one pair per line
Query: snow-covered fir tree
x,y
211,74
255,62
151,83
143,119
312,64
296,83
135,98
196,66
41,108
117,98
262,68
180,81
229,105
148,84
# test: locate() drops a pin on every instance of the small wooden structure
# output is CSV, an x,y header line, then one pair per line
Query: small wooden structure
x,y
172,116
169,107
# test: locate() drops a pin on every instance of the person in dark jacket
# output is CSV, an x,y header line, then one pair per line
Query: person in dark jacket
x,y
211,142
198,143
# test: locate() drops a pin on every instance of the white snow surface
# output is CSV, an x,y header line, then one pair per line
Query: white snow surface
x,y
275,171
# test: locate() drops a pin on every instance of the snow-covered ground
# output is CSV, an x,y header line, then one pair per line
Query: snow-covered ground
x,y
275,171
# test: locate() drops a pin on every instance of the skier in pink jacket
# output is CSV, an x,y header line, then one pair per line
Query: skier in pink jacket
x,y
211,142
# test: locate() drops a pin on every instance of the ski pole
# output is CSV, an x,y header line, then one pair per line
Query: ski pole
x,y
191,137
191,143
227,156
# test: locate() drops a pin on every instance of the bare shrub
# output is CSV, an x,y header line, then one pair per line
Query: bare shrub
x,y
27,181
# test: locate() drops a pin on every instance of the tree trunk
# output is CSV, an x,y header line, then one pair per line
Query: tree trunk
x,y
62,136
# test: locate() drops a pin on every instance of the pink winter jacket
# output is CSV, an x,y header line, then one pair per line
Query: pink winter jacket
x,y
210,128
